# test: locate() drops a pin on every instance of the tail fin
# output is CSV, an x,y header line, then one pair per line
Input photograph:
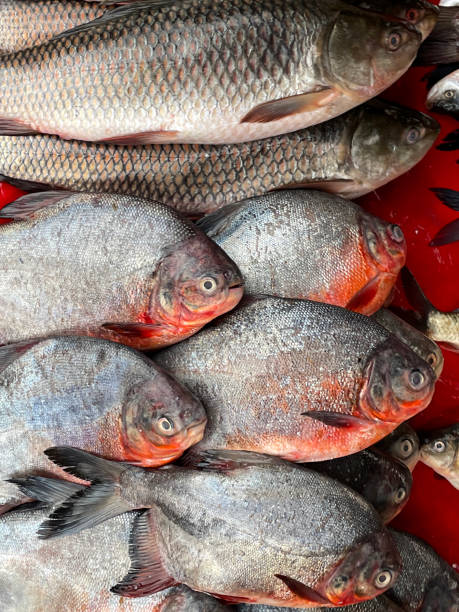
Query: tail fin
x,y
90,505
416,296
49,490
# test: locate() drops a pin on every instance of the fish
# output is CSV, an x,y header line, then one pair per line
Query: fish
x,y
145,72
440,451
426,582
442,46
385,482
302,380
444,96
439,326
25,24
310,245
403,444
115,267
416,340
350,156
379,604
101,395
44,575
243,527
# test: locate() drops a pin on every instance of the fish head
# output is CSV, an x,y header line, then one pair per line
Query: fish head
x,y
197,282
444,96
367,53
440,448
397,384
403,444
389,140
159,420
441,595
365,572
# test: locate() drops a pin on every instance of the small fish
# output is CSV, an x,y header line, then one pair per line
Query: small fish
x,y
382,480
426,583
145,72
380,604
101,395
439,326
403,444
243,527
440,451
38,575
299,379
416,340
442,46
444,96
111,266
310,245
350,156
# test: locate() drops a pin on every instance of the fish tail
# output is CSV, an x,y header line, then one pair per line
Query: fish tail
x,y
49,490
416,296
441,46
89,505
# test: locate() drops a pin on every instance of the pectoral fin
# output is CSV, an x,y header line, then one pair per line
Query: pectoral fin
x,y
286,107
336,419
135,330
305,593
144,138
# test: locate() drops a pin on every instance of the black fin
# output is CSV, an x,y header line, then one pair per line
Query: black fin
x,y
147,574
336,419
449,197
450,143
27,507
26,206
414,293
10,352
299,589
84,465
441,47
448,234
217,221
49,490
25,185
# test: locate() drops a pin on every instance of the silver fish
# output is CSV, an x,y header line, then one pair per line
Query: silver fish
x,y
440,451
380,604
444,96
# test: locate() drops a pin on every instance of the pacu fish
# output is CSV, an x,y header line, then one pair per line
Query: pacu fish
x,y
310,245
100,395
426,582
403,444
444,96
300,538
44,575
112,266
440,451
416,340
442,46
379,604
382,480
204,71
25,24
303,380
350,156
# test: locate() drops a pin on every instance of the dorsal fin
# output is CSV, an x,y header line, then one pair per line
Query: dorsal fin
x,y
215,223
10,352
26,206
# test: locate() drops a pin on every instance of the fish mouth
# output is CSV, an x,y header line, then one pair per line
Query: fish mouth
x,y
195,432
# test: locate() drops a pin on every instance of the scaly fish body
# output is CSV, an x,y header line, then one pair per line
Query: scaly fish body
x,y
403,444
380,604
111,266
300,379
204,71
350,155
25,24
440,451
45,575
310,245
444,96
101,396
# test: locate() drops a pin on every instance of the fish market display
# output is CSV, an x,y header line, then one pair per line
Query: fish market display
x,y
146,73
111,266
350,155
310,245
444,96
440,451
403,444
25,24
442,46
437,325
299,379
268,515
426,581
382,480
416,340
102,396
45,575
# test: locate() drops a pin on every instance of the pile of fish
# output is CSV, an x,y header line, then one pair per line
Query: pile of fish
x,y
191,166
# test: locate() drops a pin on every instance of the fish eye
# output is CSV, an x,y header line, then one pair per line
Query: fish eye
x,y
439,446
165,425
412,15
400,495
449,93
396,233
208,285
393,41
417,379
413,134
406,448
383,579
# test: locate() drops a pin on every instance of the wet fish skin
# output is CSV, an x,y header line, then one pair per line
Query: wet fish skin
x,y
268,514
416,340
403,444
426,582
440,451
299,379
444,96
129,270
338,156
382,480
119,77
310,245
380,604
100,395
25,24
45,575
